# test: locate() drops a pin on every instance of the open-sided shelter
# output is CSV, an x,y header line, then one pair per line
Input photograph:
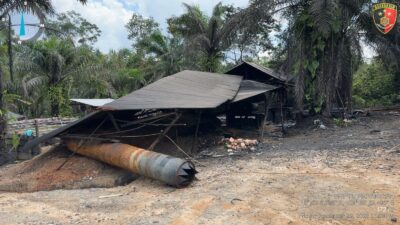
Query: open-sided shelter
x,y
274,104
166,108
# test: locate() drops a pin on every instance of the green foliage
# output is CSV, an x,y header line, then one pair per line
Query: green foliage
x,y
15,141
342,122
166,52
47,68
211,37
58,95
71,25
139,27
374,85
321,46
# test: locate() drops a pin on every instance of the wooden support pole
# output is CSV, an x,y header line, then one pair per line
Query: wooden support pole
x,y
265,118
161,136
114,122
282,119
37,128
194,142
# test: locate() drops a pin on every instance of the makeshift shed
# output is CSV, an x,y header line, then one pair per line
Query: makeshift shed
x,y
276,102
248,109
176,105
255,72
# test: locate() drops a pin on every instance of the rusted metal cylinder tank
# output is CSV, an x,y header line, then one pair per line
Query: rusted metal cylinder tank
x,y
173,171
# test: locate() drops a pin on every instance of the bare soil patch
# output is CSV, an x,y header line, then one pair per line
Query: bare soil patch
x,y
341,175
57,169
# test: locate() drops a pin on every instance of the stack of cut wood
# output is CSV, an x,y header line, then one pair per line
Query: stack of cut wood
x,y
240,144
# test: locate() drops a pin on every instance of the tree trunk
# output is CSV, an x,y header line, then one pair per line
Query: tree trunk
x,y
3,122
10,53
55,109
211,66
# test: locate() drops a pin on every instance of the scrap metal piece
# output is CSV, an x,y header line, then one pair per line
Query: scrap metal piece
x,y
173,171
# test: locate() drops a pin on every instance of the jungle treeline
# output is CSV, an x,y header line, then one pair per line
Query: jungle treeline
x,y
319,43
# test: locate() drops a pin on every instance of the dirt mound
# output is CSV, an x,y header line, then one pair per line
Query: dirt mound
x,y
43,173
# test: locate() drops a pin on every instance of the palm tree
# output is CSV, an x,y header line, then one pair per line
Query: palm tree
x,y
322,46
167,52
48,66
211,35
110,76
124,76
44,6
3,122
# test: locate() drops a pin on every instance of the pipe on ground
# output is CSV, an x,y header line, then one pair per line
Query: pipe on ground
x,y
173,171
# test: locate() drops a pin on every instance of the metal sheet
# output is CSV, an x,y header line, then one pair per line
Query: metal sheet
x,y
93,102
253,71
184,90
250,88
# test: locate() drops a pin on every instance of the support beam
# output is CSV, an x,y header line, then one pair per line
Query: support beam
x,y
161,136
194,142
281,97
147,119
265,118
114,122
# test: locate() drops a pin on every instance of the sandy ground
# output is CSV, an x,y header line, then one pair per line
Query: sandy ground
x,y
345,175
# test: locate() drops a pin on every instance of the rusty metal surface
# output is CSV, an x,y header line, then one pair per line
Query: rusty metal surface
x,y
173,171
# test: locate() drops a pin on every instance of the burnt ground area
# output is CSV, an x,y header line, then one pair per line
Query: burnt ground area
x,y
339,175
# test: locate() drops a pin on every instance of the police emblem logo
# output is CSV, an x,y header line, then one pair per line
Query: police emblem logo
x,y
385,16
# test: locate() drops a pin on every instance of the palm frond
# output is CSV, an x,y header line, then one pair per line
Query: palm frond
x,y
323,12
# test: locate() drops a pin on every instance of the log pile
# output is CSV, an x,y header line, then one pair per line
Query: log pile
x,y
240,144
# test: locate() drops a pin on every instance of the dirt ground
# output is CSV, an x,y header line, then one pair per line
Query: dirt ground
x,y
58,168
339,175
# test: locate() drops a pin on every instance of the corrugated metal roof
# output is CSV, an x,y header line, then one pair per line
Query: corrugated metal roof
x,y
184,90
267,71
250,88
93,102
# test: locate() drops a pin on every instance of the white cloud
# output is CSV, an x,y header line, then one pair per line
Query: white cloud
x,y
112,15
160,10
109,15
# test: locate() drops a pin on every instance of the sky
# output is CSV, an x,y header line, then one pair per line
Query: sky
x,y
112,15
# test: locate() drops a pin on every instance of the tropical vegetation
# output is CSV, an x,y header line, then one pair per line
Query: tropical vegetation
x,y
319,42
